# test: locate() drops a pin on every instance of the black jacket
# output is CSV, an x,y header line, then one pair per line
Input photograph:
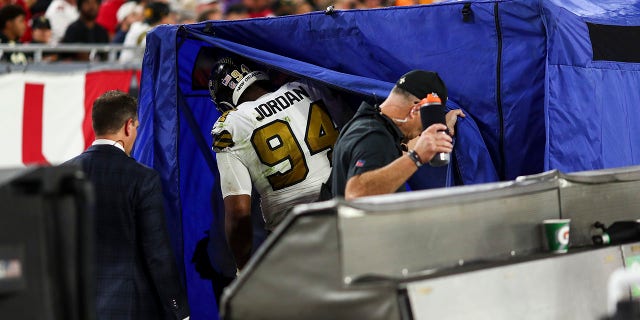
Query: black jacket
x,y
370,140
136,271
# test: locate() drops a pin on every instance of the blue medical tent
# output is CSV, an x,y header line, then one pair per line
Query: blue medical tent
x,y
545,84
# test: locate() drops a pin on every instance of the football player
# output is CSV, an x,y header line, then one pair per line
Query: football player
x,y
276,141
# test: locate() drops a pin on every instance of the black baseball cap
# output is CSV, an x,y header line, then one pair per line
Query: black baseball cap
x,y
40,22
420,83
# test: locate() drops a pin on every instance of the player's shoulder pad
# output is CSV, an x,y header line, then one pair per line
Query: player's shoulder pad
x,y
222,137
223,117
222,140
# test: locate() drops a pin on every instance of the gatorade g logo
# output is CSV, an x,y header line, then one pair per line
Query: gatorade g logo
x,y
563,235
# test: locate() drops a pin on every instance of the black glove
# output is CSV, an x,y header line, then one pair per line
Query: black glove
x,y
201,260
203,266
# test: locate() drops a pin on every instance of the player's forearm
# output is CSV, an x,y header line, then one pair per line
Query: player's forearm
x,y
237,226
239,236
384,180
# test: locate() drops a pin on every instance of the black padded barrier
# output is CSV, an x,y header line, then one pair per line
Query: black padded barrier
x,y
615,43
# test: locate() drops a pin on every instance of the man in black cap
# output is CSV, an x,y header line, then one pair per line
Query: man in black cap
x,y
41,34
40,30
371,157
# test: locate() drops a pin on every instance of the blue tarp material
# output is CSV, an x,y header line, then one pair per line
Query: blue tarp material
x,y
591,105
513,66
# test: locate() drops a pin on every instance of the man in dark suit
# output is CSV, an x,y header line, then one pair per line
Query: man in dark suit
x,y
136,273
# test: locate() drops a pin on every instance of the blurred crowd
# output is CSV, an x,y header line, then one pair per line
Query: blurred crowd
x,y
126,22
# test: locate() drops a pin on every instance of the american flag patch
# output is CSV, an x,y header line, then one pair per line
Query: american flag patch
x,y
359,163
226,80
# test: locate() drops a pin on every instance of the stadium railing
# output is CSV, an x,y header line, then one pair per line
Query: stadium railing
x,y
38,50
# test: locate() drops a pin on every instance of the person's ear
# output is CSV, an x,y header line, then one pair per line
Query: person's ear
x,y
127,127
414,110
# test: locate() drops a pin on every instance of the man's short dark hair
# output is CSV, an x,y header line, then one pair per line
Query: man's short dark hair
x,y
80,2
8,13
111,110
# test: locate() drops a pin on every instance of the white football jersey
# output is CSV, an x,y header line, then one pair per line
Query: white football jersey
x,y
284,140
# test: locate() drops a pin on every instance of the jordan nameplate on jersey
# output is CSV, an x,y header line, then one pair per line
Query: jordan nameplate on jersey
x,y
281,102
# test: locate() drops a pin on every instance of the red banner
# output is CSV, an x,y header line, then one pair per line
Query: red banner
x,y
47,116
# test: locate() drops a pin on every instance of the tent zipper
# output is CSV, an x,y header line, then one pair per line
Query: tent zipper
x,y
496,17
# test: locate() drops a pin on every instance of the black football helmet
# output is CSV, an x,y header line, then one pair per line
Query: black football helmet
x,y
229,80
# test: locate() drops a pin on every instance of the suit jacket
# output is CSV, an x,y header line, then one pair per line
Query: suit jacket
x,y
136,273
